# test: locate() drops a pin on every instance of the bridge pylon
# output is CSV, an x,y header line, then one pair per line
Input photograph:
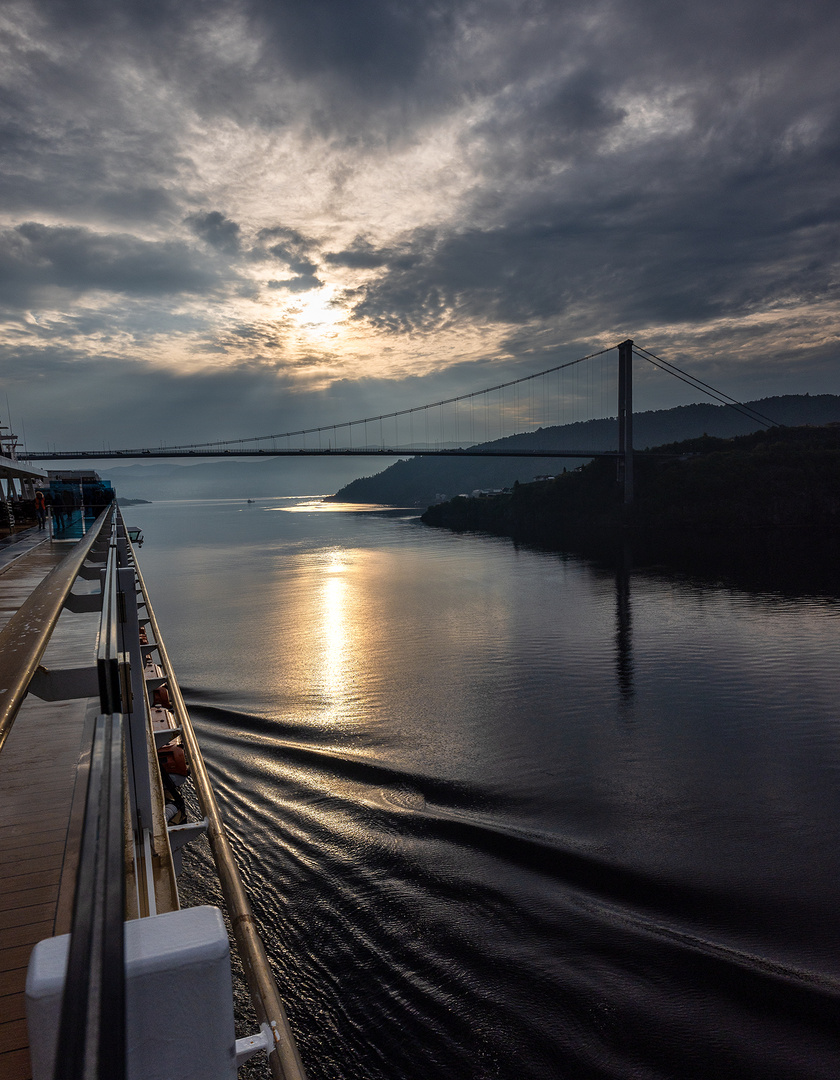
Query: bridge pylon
x,y
625,418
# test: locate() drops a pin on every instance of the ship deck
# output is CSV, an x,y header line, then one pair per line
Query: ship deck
x,y
42,773
94,646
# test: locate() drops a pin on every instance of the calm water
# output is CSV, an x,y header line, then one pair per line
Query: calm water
x,y
505,814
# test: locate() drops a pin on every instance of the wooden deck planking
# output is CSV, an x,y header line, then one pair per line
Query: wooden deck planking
x,y
24,867
34,823
16,1065
38,774
19,778
30,873
28,898
12,959
12,982
75,825
19,579
13,1036
13,1009
41,842
26,934
16,883
21,916
35,851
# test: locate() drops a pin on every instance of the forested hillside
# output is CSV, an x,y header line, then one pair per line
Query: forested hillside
x,y
424,481
769,494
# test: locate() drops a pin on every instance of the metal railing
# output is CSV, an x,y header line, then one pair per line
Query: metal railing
x,y
92,1030
25,637
283,1057
91,1035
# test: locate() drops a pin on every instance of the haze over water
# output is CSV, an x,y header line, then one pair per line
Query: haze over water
x,y
505,814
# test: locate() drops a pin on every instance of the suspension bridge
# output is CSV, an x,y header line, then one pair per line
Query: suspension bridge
x,y
483,419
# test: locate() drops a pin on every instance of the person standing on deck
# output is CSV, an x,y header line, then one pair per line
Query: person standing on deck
x,y
40,509
57,510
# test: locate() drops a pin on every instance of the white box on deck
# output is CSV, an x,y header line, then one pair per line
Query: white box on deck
x,y
179,998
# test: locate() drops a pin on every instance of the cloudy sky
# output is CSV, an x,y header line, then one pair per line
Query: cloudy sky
x,y
232,218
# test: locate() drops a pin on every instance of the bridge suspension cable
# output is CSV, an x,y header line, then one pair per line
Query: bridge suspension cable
x,y
703,387
520,408
383,416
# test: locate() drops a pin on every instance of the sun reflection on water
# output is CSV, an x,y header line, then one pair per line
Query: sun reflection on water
x,y
335,638
320,506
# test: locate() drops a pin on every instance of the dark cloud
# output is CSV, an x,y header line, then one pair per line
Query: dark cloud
x,y
653,258
607,164
287,246
215,229
292,249
698,223
80,132
392,62
376,46
135,204
353,57
35,257
362,255
73,399
297,284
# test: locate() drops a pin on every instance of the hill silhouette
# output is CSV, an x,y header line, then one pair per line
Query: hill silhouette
x,y
768,500
424,481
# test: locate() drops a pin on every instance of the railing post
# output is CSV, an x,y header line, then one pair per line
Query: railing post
x,y
625,417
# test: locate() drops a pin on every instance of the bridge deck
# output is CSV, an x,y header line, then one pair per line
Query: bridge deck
x,y
40,803
367,451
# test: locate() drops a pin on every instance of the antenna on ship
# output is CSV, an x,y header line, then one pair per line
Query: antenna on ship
x,y
12,439
8,442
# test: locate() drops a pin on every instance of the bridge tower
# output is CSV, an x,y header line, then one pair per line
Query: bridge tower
x,y
625,418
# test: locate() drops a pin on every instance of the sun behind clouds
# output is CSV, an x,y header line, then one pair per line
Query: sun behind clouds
x,y
319,313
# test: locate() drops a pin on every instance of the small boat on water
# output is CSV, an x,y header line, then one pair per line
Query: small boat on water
x,y
97,748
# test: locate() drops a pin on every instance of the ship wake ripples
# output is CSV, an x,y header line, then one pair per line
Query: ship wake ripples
x,y
421,927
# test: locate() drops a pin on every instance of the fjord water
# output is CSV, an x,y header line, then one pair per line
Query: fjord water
x,y
506,814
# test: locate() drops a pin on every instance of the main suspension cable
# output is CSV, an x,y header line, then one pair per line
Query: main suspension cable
x,y
706,388
383,416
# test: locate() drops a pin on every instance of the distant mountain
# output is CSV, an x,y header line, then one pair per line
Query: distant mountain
x,y
424,481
